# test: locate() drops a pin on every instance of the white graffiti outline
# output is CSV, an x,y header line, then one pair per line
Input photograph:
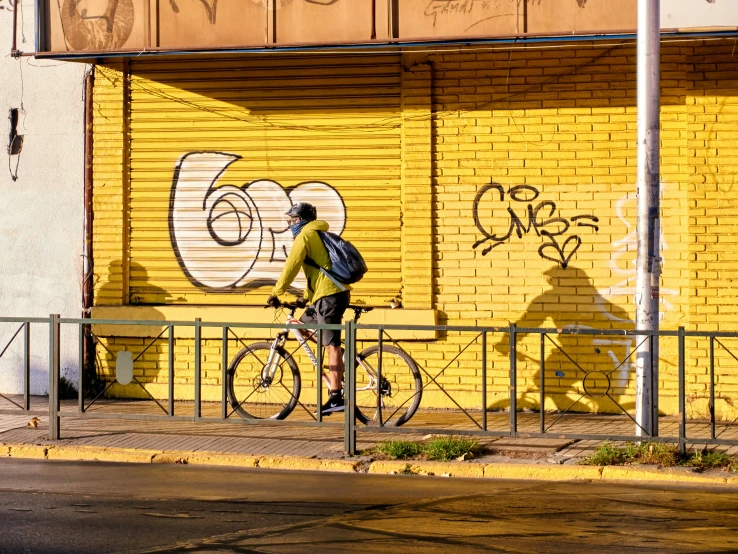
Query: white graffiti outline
x,y
230,238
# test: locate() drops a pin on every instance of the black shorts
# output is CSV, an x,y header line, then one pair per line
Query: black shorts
x,y
328,310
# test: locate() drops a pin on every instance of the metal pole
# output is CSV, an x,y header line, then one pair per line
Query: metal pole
x,y
648,259
27,366
349,389
80,375
513,382
14,45
319,378
712,387
379,378
170,368
682,394
87,364
54,370
543,383
484,380
198,367
224,376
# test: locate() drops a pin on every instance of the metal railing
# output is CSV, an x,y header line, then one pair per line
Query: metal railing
x,y
23,330
590,382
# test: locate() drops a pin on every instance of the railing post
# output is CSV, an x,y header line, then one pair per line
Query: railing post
x,y
224,376
380,341
712,387
27,366
543,382
319,375
81,376
170,368
198,366
653,389
682,395
350,389
54,370
513,381
484,380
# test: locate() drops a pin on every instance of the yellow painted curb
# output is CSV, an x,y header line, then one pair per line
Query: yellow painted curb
x,y
440,469
101,454
542,472
732,480
27,451
310,464
629,473
344,466
205,458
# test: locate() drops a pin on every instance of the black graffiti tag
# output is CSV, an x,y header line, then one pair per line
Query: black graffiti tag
x,y
541,219
210,8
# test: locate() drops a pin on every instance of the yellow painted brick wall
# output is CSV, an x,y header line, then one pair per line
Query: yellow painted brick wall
x,y
560,125
712,106
559,122
109,176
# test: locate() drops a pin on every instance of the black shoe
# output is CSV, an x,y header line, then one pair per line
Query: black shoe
x,y
333,405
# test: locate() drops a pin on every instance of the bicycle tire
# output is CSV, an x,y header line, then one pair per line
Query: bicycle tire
x,y
401,383
274,400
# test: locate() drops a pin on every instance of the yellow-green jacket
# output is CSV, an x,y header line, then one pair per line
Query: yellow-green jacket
x,y
308,244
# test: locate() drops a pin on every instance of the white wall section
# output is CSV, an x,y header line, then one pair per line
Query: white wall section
x,y
693,14
41,212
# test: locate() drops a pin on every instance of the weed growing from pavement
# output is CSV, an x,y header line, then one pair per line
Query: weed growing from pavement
x,y
440,448
658,453
67,390
450,448
398,450
606,455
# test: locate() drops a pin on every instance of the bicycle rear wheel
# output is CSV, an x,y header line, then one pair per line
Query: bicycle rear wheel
x,y
401,387
252,394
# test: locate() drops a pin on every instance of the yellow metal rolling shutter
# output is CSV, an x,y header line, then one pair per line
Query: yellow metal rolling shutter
x,y
221,147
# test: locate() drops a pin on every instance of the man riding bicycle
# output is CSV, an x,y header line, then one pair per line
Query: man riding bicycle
x,y
329,298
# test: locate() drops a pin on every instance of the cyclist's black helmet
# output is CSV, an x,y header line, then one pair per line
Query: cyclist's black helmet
x,y
303,210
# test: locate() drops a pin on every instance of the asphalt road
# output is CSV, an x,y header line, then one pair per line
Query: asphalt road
x,y
84,507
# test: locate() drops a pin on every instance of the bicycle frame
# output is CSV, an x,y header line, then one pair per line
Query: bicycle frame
x,y
270,368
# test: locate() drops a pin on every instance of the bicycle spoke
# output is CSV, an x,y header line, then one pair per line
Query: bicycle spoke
x,y
263,384
397,390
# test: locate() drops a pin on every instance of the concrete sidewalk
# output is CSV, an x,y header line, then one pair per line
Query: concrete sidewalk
x,y
321,448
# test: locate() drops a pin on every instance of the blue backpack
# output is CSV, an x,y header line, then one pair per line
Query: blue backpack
x,y
347,264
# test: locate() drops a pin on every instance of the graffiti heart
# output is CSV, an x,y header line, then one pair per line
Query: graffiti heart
x,y
540,220
228,237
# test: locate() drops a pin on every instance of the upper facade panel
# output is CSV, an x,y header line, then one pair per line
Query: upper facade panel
x,y
120,26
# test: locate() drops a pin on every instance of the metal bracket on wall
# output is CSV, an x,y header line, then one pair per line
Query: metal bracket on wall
x,y
15,141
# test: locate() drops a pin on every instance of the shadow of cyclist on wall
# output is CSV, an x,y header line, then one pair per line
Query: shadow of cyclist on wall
x,y
581,371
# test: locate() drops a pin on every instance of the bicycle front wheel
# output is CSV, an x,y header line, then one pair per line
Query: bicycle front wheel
x,y
400,389
256,391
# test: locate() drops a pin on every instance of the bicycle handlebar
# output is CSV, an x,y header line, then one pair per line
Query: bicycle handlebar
x,y
289,305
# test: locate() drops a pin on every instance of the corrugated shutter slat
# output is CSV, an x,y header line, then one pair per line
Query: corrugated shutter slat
x,y
220,148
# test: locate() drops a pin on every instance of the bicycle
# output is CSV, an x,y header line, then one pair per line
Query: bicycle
x,y
264,381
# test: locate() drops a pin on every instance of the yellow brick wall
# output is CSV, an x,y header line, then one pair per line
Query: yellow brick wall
x,y
712,107
109,175
559,122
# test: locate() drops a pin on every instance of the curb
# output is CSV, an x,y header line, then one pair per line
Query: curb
x,y
535,472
